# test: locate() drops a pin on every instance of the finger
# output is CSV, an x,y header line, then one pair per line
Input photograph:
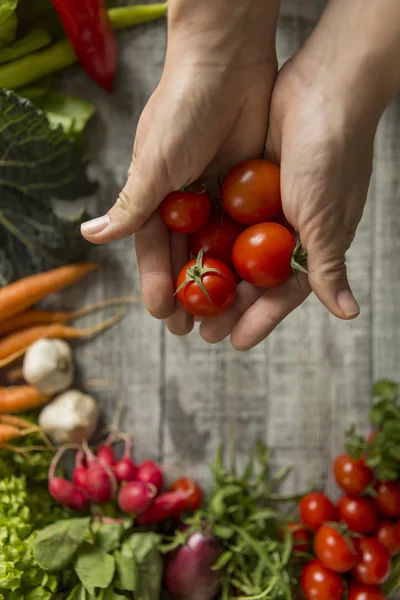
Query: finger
x,y
268,311
328,278
180,322
153,254
217,329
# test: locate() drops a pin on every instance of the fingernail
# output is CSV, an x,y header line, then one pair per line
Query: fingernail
x,y
348,304
95,226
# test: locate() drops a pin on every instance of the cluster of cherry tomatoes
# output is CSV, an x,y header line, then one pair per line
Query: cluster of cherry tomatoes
x,y
353,541
241,238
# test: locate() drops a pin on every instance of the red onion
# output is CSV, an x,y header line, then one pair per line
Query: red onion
x,y
188,574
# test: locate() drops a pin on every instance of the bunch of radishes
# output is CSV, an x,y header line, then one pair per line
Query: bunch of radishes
x,y
99,477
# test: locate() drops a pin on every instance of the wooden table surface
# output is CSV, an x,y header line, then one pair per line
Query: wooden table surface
x,y
299,390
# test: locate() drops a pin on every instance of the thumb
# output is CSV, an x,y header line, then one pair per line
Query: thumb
x,y
328,278
151,177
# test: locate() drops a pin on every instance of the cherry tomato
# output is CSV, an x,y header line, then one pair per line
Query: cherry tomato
x,y
185,212
352,475
217,237
316,509
206,287
359,514
387,498
195,497
388,536
358,591
374,563
333,550
319,583
251,192
262,254
301,537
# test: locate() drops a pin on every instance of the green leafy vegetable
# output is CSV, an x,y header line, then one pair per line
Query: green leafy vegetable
x,y
56,545
8,21
94,567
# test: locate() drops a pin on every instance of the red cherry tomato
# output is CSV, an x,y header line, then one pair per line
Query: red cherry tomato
x,y
251,192
359,514
374,563
319,583
262,254
206,287
358,591
301,537
333,550
389,537
387,499
185,212
217,237
352,475
316,509
195,497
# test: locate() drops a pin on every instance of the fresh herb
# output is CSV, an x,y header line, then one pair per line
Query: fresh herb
x,y
382,451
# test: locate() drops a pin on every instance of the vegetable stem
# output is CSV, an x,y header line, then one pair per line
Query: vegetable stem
x,y
59,56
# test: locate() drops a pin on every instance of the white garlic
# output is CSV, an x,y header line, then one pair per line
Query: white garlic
x,y
71,417
48,366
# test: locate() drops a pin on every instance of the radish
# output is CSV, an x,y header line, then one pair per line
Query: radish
x,y
64,492
125,470
106,454
149,472
135,497
100,485
188,573
79,474
166,506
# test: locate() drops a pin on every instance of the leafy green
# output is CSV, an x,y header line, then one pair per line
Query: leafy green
x,y
34,40
8,21
94,567
56,545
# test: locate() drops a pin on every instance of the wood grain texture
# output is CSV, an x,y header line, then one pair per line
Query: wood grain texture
x,y
299,390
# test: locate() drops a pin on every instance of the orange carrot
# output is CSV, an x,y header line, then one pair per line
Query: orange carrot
x,y
35,316
8,433
15,345
21,294
21,398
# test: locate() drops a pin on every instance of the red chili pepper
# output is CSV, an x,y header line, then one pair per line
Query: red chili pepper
x,y
89,30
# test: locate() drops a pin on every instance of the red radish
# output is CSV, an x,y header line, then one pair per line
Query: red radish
x,y
188,572
166,506
79,473
149,472
125,470
99,485
106,454
135,497
64,492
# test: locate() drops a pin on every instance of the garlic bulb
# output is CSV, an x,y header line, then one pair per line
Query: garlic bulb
x,y
48,366
71,417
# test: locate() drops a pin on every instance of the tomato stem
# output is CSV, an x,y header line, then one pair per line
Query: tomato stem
x,y
196,273
298,262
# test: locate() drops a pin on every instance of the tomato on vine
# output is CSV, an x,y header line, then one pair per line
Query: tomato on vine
x,y
389,537
301,537
374,563
387,498
352,475
251,192
185,211
334,550
359,514
319,583
358,591
265,255
217,237
316,509
195,495
206,287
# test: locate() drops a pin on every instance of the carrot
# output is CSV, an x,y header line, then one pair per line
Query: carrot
x,y
35,316
21,398
8,433
21,294
15,345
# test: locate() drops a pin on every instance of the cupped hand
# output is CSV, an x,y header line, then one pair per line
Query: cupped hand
x,y
207,114
324,144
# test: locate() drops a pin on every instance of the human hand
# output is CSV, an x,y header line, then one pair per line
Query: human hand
x,y
322,136
207,114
